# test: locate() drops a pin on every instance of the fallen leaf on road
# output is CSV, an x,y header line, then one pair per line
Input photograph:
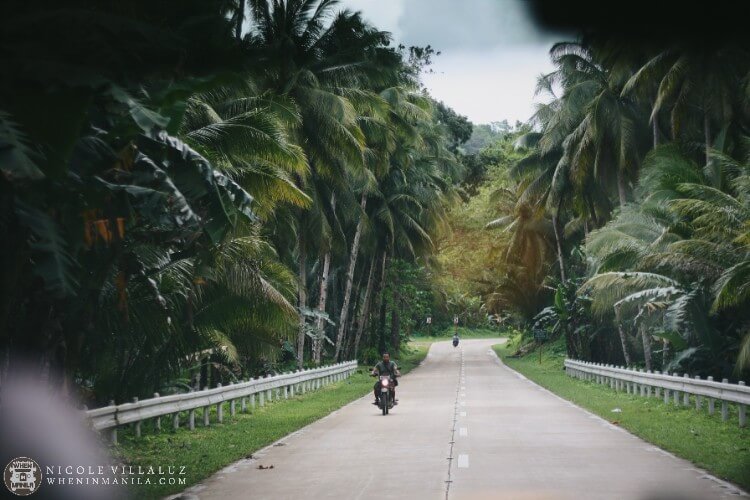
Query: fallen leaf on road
x,y
263,467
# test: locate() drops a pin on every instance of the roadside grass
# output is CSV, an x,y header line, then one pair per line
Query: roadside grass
x,y
463,332
208,449
721,448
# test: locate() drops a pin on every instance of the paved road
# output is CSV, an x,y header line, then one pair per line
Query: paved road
x,y
467,427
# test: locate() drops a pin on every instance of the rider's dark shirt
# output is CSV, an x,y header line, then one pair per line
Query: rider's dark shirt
x,y
383,369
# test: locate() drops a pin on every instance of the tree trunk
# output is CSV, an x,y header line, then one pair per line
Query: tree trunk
x,y
646,338
381,323
624,341
302,297
395,328
352,323
707,135
655,130
621,188
665,354
365,307
240,20
558,240
592,211
395,319
349,280
320,323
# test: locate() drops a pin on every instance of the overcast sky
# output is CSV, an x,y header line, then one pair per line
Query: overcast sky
x,y
491,50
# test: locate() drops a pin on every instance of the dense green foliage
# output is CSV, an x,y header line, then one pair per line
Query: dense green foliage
x,y
623,225
198,197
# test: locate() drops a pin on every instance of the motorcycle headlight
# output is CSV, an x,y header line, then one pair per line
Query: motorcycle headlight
x,y
384,382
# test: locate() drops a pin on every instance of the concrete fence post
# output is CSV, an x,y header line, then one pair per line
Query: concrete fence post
x,y
191,420
220,409
724,405
261,399
113,433
137,425
698,399
686,395
711,401
742,409
157,420
206,413
176,420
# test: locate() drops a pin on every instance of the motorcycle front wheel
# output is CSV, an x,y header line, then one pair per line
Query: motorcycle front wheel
x,y
384,402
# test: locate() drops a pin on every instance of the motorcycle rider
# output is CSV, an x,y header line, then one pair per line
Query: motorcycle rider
x,y
455,339
386,367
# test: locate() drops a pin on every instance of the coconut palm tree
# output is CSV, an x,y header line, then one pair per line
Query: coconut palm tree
x,y
323,62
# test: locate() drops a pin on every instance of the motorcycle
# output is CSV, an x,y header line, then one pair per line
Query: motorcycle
x,y
455,341
387,393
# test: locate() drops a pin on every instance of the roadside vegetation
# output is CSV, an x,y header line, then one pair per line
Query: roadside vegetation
x,y
721,448
230,189
463,333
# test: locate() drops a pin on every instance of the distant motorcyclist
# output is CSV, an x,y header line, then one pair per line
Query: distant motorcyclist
x,y
386,367
455,339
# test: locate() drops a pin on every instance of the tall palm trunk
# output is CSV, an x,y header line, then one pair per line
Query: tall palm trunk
x,y
381,291
302,297
621,187
592,211
365,307
646,338
558,239
346,349
624,341
349,280
323,297
665,354
707,134
240,20
395,326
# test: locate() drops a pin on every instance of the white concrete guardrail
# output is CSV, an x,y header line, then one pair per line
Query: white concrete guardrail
x,y
670,387
264,389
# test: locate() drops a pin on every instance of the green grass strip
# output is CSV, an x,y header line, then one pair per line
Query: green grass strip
x,y
208,449
721,448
